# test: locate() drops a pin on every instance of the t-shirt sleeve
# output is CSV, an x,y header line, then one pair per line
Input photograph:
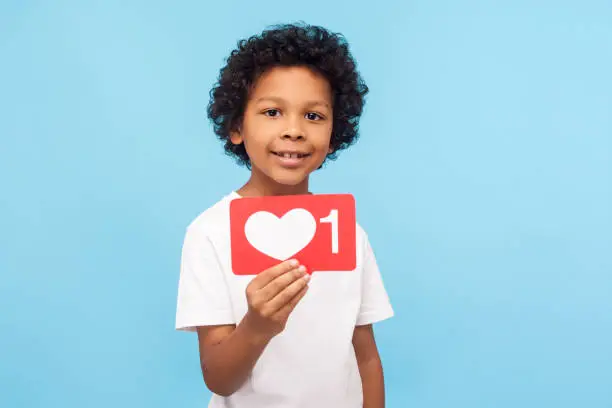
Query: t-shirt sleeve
x,y
203,295
375,303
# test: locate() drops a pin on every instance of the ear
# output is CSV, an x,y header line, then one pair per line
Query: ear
x,y
236,137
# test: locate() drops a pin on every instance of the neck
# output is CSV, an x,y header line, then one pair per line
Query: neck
x,y
256,186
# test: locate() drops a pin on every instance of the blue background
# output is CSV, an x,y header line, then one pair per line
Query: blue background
x,y
487,138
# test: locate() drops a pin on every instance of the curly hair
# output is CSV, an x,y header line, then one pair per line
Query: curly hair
x,y
288,45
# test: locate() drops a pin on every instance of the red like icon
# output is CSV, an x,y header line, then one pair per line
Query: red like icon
x,y
317,230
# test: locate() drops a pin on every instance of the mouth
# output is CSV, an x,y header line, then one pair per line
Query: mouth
x,y
291,155
291,159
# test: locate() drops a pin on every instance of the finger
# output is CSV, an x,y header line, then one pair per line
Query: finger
x,y
272,273
278,285
286,310
288,293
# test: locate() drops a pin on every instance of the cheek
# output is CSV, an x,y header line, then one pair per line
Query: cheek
x,y
255,142
324,141
255,150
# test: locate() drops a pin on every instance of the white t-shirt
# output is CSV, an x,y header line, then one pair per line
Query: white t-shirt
x,y
312,362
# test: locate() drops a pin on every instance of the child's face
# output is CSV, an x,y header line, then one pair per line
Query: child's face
x,y
287,125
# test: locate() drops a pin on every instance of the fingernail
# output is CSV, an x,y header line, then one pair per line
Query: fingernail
x,y
293,262
307,277
302,268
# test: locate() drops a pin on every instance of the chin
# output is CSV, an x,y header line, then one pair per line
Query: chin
x,y
287,177
289,181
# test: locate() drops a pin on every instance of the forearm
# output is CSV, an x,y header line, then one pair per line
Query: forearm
x,y
228,364
371,372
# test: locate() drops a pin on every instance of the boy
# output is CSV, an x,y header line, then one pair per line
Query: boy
x,y
286,101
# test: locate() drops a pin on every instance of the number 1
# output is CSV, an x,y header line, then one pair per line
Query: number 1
x,y
332,218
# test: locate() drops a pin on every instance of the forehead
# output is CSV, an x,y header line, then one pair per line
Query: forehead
x,y
293,84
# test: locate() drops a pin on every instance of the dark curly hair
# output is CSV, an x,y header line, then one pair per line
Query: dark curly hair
x,y
288,45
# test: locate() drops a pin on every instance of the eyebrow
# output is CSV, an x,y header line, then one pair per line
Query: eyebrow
x,y
281,100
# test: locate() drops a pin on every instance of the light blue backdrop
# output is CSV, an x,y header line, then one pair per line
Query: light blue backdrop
x,y
486,138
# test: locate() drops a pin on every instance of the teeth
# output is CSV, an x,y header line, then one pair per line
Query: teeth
x,y
290,155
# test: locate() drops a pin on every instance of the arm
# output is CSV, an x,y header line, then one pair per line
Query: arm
x,y
227,356
228,353
370,367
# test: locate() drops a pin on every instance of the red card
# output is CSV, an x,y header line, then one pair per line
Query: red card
x,y
318,230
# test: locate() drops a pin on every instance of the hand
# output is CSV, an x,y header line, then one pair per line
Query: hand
x,y
272,295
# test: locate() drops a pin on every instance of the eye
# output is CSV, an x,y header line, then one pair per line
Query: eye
x,y
272,113
313,116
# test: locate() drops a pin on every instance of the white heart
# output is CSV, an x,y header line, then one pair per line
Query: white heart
x,y
280,238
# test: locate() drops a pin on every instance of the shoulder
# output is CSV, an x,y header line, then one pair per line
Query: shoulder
x,y
361,234
213,219
364,248
360,231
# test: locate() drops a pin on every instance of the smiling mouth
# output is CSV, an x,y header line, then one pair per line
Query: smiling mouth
x,y
291,155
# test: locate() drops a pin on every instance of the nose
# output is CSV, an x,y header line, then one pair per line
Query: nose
x,y
293,134
293,130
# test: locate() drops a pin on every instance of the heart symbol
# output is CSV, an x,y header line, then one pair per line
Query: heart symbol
x,y
280,238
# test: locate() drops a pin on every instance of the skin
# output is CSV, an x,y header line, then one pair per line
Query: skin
x,y
290,110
